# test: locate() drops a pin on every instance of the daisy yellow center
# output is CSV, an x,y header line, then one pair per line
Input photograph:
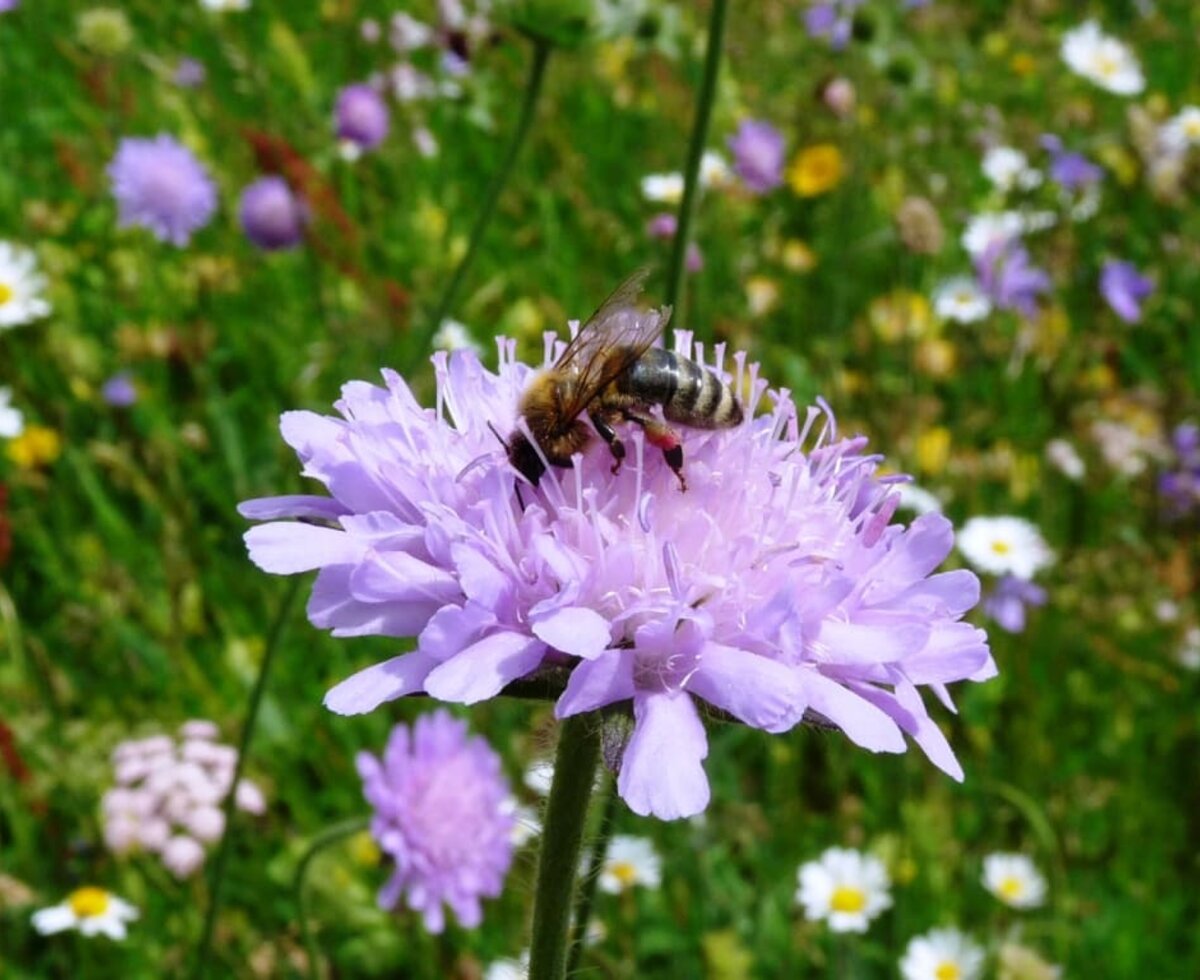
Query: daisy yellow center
x,y
1191,128
6,293
847,898
1106,65
964,297
947,971
1011,887
87,903
624,872
1001,547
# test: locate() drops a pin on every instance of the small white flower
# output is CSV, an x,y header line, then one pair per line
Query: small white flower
x,y
1066,459
942,954
960,299
453,335
630,861
1182,130
663,188
990,227
1004,546
12,421
1014,879
1032,221
91,911
845,887
1008,168
714,170
526,824
1102,59
1189,649
222,5
517,969
539,775
20,287
917,499
406,33
1016,962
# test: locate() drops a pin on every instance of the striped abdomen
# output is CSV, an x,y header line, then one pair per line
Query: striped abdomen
x,y
688,393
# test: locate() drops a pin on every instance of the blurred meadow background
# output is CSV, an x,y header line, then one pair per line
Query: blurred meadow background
x,y
984,254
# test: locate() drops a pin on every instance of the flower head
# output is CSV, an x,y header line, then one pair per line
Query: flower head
x,y
775,585
942,954
1124,289
271,216
1004,546
1014,879
119,390
832,20
1007,601
989,229
21,286
159,185
630,861
1009,278
189,73
1016,962
361,117
444,814
104,30
816,170
90,911
758,155
1102,59
1182,131
12,419
960,299
1071,171
844,887
1008,168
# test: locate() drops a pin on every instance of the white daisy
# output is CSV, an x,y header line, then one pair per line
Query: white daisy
x,y
630,861
1189,649
91,911
1066,459
917,499
1182,130
1014,879
1008,168
527,824
844,887
1102,59
663,188
942,954
12,422
714,170
960,299
20,286
990,227
517,969
539,775
1004,546
453,335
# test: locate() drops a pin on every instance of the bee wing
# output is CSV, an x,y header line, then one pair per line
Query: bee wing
x,y
617,326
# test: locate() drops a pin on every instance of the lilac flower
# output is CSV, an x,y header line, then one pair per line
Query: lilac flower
x,y
7,5
758,155
832,20
159,185
190,73
361,116
444,814
119,390
1180,487
774,586
1071,171
1008,277
1007,602
271,216
1124,288
662,225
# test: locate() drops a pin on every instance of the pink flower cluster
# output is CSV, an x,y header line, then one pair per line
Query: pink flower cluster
x,y
168,796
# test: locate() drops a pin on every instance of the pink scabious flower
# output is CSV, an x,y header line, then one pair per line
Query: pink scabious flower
x,y
160,185
775,586
444,813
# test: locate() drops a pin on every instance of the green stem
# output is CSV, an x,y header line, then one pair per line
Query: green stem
x,y
687,208
327,838
483,217
221,858
587,891
562,836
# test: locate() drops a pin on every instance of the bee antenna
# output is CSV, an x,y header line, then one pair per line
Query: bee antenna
x,y
499,438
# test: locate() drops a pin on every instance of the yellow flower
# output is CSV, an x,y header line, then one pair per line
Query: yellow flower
x,y
1022,64
936,357
901,314
816,169
762,295
933,450
797,256
37,446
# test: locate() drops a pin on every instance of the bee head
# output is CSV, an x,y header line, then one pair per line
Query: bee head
x,y
525,458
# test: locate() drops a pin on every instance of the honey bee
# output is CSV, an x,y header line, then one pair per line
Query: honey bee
x,y
612,372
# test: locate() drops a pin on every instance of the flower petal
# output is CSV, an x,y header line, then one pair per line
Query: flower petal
x,y
862,722
292,505
481,671
595,683
393,576
288,547
661,772
574,630
761,692
372,686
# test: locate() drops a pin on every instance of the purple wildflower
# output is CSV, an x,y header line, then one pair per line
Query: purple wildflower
x,y
693,258
1007,602
190,73
1181,486
1008,277
7,5
758,155
662,225
1124,288
1071,171
361,116
271,216
119,390
444,814
832,20
774,586
159,185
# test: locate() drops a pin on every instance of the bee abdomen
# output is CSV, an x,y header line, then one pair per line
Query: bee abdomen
x,y
688,393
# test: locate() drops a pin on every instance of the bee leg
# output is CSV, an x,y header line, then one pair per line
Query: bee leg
x,y
665,438
609,435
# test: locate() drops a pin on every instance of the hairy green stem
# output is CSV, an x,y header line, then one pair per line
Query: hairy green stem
x,y
326,838
220,859
483,217
562,837
691,174
587,890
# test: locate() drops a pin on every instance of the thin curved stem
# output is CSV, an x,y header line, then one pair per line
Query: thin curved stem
x,y
327,838
221,858
587,890
691,174
533,91
562,837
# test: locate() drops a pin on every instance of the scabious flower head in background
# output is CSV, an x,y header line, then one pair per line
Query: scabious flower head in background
x,y
839,96
758,155
12,420
920,226
1124,289
1015,880
1004,546
271,215
630,861
90,911
1102,59
1009,278
360,117
845,888
1071,171
942,954
762,591
962,300
1180,484
21,286
831,20
1008,599
189,73
443,812
119,390
160,185
7,5
662,225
